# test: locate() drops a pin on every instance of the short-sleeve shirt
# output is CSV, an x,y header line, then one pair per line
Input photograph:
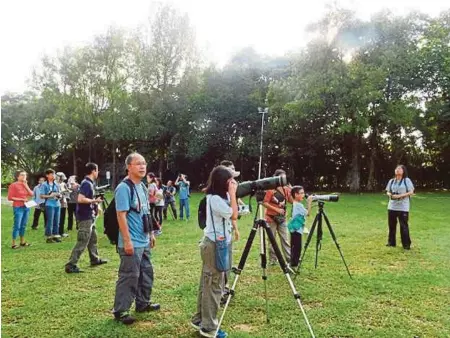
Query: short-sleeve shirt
x,y
152,188
139,238
37,194
221,212
170,190
299,209
399,187
184,190
17,190
159,198
277,199
47,189
85,211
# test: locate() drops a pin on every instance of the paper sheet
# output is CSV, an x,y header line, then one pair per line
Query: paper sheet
x,y
30,204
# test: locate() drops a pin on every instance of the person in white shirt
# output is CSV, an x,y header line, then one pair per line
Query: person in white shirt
x,y
222,210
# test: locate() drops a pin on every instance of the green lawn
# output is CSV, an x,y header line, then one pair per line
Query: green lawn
x,y
394,293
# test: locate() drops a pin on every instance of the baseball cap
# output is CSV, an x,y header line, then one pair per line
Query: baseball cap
x,y
62,175
234,172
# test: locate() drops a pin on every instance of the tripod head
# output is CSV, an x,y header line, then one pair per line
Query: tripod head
x,y
260,194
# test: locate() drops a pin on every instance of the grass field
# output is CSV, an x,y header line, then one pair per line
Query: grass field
x,y
393,293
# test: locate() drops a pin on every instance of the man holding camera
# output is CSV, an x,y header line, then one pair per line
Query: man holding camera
x,y
183,185
135,280
275,204
169,199
85,216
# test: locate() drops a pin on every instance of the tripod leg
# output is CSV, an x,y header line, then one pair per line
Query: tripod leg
x,y
285,269
336,242
319,237
237,271
263,254
308,240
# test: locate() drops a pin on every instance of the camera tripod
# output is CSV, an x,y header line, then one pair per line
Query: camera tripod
x,y
318,224
264,228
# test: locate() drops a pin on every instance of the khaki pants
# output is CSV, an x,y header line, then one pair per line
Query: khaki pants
x,y
210,289
285,248
87,237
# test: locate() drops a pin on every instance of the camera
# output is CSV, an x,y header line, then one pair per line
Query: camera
x,y
328,198
100,191
249,187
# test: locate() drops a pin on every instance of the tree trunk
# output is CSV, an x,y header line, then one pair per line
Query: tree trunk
x,y
354,171
74,160
113,177
371,181
161,163
90,151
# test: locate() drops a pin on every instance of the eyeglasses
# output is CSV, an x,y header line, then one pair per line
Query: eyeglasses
x,y
139,163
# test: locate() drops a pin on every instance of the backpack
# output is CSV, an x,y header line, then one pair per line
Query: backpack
x,y
110,222
202,213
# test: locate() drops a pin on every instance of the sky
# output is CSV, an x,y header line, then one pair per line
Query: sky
x,y
29,29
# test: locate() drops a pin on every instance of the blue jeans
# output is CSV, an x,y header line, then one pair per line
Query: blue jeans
x,y
52,225
184,203
20,221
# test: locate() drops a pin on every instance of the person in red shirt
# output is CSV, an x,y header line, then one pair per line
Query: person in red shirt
x,y
275,204
18,193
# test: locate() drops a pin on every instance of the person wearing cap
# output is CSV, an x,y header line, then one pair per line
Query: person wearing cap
x,y
236,236
275,203
72,202
60,180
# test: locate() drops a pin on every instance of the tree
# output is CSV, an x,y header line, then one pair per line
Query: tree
x,y
25,143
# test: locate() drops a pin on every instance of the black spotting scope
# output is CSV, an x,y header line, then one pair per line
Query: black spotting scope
x,y
269,183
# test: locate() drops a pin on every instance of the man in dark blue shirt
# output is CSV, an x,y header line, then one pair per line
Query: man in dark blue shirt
x,y
85,216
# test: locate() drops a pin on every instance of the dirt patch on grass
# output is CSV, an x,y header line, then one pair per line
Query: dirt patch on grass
x,y
244,327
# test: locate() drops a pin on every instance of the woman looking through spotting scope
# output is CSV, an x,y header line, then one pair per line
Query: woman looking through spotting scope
x,y
221,210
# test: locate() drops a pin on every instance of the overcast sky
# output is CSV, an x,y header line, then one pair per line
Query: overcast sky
x,y
29,29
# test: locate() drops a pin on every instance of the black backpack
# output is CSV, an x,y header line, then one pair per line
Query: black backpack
x,y
110,222
202,213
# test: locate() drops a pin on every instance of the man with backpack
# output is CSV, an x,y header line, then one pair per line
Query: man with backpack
x,y
85,216
135,239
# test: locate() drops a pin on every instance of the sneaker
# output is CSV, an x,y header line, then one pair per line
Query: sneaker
x,y
196,325
71,268
56,239
99,262
124,318
65,235
157,232
150,307
220,333
49,240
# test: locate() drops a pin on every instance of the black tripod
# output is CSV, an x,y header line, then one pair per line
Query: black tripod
x,y
318,223
262,225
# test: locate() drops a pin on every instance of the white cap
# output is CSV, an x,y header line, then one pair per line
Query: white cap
x,y
62,175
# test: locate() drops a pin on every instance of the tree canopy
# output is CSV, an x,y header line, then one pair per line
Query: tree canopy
x,y
360,98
